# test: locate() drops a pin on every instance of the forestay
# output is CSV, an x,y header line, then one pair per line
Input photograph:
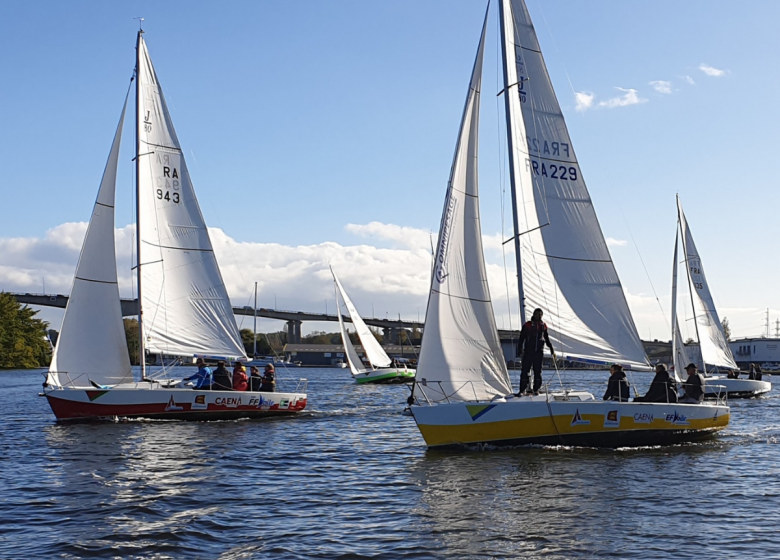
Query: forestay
x,y
565,265
375,354
186,309
461,357
712,340
353,360
91,346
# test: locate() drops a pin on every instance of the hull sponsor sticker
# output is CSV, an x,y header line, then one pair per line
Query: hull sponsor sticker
x,y
172,406
199,403
577,420
92,395
612,419
643,418
677,419
477,410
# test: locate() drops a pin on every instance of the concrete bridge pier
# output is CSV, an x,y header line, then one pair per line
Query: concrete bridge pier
x,y
294,332
390,335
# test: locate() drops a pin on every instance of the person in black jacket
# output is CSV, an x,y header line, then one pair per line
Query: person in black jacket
x,y
223,381
694,386
663,389
617,387
269,379
533,338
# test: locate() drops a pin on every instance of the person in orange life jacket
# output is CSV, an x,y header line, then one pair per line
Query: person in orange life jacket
x,y
533,338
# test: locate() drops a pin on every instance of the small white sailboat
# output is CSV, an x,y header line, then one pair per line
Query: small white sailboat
x,y
714,350
381,368
462,394
184,305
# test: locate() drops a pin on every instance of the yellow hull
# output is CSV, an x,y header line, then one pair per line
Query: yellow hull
x,y
588,422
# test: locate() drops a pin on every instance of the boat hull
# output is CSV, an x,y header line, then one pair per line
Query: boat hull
x,y
84,404
589,423
386,375
735,388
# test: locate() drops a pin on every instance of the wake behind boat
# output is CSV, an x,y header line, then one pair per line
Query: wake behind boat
x,y
381,368
184,305
463,393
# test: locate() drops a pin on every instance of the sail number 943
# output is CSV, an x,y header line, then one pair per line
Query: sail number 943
x,y
167,195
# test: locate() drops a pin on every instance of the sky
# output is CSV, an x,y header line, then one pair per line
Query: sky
x,y
322,132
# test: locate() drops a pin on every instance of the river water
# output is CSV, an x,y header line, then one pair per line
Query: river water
x,y
352,478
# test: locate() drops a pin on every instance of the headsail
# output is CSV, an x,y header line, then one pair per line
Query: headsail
x,y
680,357
375,354
186,309
715,350
91,346
353,360
563,259
461,355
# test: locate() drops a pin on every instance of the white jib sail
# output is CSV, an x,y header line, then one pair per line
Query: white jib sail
x,y
375,354
565,265
679,355
92,345
353,360
186,308
461,356
715,349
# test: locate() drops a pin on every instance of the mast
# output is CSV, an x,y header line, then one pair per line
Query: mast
x,y
690,287
141,353
254,327
511,150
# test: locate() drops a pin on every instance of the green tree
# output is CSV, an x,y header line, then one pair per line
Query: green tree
x,y
726,329
22,337
131,336
248,340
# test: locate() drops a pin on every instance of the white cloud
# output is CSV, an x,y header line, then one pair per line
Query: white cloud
x,y
689,80
662,86
612,242
712,71
584,100
382,281
629,97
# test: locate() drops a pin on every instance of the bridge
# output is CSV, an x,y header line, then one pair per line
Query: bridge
x,y
294,319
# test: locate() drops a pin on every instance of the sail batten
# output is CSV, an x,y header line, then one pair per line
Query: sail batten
x,y
186,308
564,263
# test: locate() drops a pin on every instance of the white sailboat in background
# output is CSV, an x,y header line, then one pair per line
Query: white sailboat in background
x,y
184,305
714,350
463,394
381,368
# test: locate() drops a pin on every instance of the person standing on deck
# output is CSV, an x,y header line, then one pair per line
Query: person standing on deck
x,y
533,338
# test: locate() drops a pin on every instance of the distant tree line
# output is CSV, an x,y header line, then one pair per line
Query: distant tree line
x,y
23,341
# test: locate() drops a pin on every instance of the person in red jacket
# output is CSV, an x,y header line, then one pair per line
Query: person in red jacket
x,y
533,338
239,377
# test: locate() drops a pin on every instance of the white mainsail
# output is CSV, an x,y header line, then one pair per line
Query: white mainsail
x,y
461,356
715,349
91,346
185,304
353,360
563,260
375,354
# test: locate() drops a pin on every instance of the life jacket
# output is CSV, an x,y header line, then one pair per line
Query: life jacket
x,y
534,336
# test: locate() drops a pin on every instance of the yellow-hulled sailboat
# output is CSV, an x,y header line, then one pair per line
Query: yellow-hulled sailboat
x,y
463,393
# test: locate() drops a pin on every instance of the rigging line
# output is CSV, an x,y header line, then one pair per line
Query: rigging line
x,y
644,267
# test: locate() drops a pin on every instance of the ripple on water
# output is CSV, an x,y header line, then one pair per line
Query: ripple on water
x,y
351,478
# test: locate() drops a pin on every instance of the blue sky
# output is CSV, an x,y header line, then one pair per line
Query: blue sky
x,y
323,132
